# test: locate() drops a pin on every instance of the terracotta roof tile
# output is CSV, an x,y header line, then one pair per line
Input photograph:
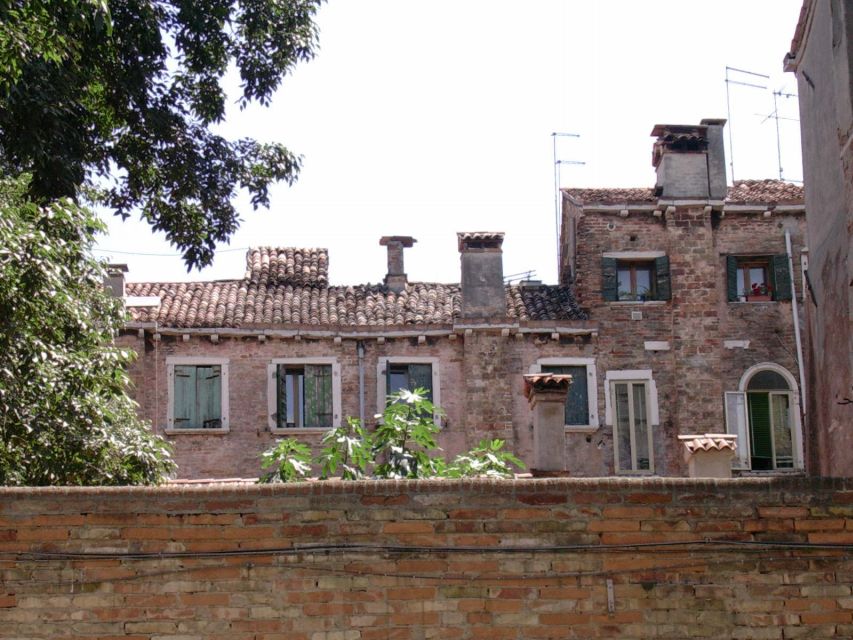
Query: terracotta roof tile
x,y
742,192
287,265
709,442
260,298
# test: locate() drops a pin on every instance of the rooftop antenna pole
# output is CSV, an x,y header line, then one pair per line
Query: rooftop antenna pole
x,y
557,163
778,141
729,81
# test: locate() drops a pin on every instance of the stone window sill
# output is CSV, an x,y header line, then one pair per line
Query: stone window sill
x,y
581,428
212,432
647,303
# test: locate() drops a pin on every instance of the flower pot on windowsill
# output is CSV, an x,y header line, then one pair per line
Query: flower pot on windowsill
x,y
759,297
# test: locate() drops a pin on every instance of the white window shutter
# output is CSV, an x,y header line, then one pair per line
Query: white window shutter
x,y
736,423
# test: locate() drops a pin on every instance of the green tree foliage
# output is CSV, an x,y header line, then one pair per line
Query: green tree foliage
x,y
130,88
403,446
65,417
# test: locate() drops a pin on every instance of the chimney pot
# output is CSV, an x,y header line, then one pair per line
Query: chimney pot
x,y
396,276
114,282
690,160
483,294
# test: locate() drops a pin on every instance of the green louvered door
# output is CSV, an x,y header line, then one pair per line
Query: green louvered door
x,y
761,435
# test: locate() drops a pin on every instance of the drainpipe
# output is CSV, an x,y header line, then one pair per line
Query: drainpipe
x,y
360,350
795,313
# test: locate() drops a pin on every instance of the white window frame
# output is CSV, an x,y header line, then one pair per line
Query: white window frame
x,y
382,367
272,371
591,386
171,362
743,459
632,375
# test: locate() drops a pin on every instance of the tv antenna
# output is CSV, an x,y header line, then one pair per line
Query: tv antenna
x,y
775,115
558,162
739,73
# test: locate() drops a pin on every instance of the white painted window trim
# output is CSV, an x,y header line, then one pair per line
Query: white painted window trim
x,y
271,393
799,454
633,375
636,375
634,255
171,361
382,366
591,386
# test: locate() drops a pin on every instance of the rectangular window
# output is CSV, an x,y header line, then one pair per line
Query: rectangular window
x,y
304,396
757,278
409,376
632,435
635,279
577,403
197,393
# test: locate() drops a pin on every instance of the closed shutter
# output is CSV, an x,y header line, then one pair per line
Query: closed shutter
x,y
209,389
736,424
663,286
318,395
761,440
731,278
420,377
609,280
184,411
281,396
781,277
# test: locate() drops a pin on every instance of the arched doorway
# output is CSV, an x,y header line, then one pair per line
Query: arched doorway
x,y
765,413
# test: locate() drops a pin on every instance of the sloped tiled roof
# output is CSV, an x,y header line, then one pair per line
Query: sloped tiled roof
x,y
286,265
742,192
266,301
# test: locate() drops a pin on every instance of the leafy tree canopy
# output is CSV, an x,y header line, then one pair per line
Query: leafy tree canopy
x,y
65,417
130,88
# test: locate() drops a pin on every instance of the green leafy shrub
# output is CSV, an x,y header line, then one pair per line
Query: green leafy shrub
x,y
403,446
290,459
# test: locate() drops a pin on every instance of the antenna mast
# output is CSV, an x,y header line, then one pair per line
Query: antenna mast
x,y
557,200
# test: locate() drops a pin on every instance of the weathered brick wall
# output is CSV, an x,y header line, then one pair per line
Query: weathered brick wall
x,y
826,121
438,559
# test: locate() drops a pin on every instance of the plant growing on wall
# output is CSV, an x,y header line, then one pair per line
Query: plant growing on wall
x,y
403,446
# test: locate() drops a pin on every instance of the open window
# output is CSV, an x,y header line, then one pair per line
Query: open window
x,y
764,415
198,394
395,373
635,277
304,393
758,278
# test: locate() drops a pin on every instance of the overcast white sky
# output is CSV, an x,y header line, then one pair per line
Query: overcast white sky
x,y
428,117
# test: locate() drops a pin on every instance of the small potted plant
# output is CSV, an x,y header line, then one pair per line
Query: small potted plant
x,y
760,293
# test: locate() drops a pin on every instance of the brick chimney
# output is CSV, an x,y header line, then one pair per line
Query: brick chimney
x,y
690,160
396,276
483,294
114,282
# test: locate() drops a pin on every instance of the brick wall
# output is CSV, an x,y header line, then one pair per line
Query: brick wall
x,y
439,559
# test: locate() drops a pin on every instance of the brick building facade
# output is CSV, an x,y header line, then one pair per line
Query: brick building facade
x,y
822,57
655,317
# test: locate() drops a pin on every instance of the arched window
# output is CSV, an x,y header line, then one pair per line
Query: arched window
x,y
765,415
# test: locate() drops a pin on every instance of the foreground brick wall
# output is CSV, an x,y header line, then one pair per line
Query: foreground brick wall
x,y
460,559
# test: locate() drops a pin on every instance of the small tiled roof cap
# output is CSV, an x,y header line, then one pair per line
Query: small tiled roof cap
x,y
742,192
240,303
534,382
288,265
709,442
494,238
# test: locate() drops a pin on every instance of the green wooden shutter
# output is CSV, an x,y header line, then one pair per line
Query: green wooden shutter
x,y
280,396
663,285
609,280
420,376
781,277
209,397
731,278
184,411
318,395
759,430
